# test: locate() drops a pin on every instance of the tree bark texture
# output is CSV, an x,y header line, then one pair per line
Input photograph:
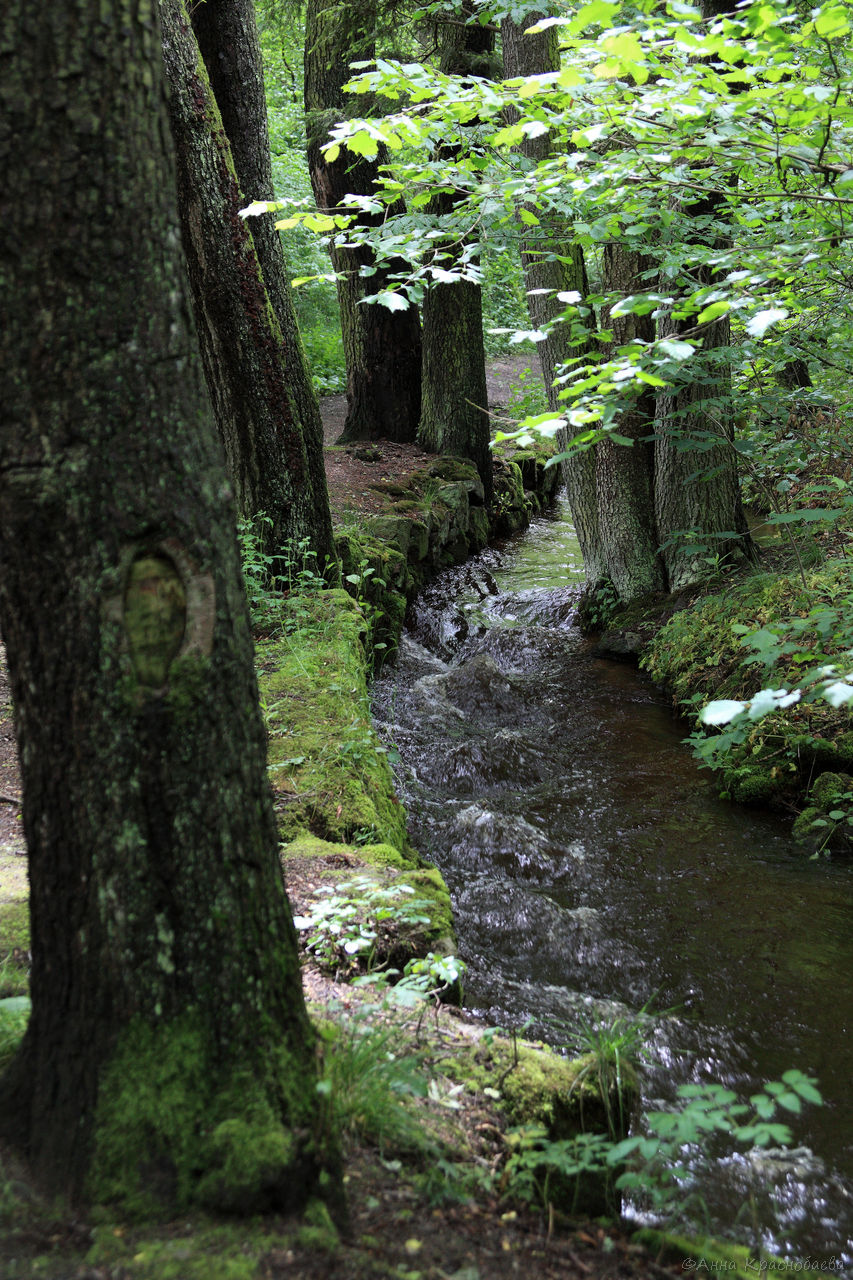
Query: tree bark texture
x,y
697,490
625,477
551,261
227,34
454,409
382,347
169,1058
247,363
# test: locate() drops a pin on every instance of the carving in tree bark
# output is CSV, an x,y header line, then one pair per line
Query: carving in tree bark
x,y
168,1037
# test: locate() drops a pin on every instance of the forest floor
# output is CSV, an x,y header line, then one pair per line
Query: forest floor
x,y
350,473
404,1220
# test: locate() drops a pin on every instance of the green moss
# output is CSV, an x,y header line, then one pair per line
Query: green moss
x,y
200,1251
702,653
172,1130
318,1232
750,784
708,1256
326,763
14,926
537,1085
376,855
830,788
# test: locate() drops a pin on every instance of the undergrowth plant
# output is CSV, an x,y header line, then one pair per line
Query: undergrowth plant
x,y
344,923
661,1162
272,578
658,1166
369,1080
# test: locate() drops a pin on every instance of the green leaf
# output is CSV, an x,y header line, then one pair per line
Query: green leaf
x,y
675,350
393,301
713,311
832,22
758,325
363,144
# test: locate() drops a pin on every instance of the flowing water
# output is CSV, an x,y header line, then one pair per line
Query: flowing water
x,y
593,869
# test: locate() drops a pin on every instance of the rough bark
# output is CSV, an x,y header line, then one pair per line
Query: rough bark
x,y
625,476
247,363
454,410
550,261
382,348
169,1058
227,34
697,491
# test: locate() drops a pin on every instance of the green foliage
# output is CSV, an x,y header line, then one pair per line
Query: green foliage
x,y
273,580
368,1079
536,1162
14,1016
657,1165
315,297
612,1051
423,980
768,744
659,1161
527,396
718,149
344,924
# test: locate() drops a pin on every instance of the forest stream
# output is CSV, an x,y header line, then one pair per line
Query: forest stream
x,y
595,871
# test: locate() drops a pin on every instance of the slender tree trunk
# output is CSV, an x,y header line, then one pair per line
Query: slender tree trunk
x,y
697,491
227,34
625,473
382,347
248,365
169,1059
454,411
552,264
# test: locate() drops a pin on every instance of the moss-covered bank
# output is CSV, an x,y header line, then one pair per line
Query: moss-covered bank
x,y
436,518
759,630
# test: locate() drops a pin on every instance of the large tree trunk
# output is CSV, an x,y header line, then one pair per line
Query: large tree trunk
x,y
227,34
454,410
382,347
169,1059
248,365
550,261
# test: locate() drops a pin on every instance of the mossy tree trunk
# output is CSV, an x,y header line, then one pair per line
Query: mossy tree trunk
x,y
227,34
454,410
551,262
382,347
255,374
169,1059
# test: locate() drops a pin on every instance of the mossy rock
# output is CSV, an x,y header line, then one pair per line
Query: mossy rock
x,y
539,1087
338,866
831,789
815,827
751,784
329,772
